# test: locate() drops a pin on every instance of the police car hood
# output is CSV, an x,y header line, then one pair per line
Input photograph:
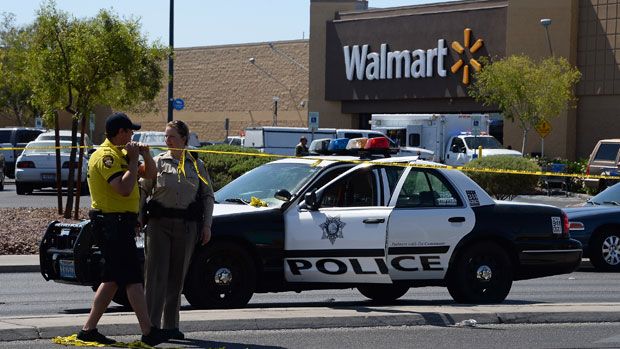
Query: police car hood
x,y
226,209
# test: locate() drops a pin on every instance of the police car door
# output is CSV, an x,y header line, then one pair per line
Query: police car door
x,y
343,239
428,220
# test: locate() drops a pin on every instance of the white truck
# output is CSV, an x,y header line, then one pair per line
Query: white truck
x,y
282,140
454,138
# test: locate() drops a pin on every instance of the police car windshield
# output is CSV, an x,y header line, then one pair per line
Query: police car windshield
x,y
485,142
264,181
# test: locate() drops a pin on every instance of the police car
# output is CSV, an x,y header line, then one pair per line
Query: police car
x,y
381,226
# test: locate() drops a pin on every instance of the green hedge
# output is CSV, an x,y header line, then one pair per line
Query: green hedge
x,y
223,168
504,186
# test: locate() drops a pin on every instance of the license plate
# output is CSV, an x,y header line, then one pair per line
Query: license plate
x,y
48,177
67,269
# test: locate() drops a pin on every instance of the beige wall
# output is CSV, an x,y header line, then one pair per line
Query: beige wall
x,y
525,35
219,82
322,11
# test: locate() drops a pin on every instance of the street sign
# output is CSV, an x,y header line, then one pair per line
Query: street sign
x,y
178,104
543,128
313,120
476,125
38,122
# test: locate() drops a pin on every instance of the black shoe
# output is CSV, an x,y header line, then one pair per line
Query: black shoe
x,y
155,337
94,336
174,333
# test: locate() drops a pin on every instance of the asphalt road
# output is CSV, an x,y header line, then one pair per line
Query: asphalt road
x,y
579,335
29,294
39,198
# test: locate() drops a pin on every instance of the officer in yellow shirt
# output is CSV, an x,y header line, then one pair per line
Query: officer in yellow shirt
x,y
113,172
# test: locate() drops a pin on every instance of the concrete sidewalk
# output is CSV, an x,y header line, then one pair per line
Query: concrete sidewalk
x,y
125,323
19,263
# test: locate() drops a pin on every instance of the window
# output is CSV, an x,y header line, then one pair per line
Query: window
x,y
457,145
354,190
414,140
5,136
351,135
607,152
426,189
326,178
25,136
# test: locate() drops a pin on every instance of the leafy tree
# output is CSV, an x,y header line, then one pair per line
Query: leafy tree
x,y
525,90
76,64
15,90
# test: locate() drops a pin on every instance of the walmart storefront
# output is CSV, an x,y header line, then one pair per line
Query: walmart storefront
x,y
419,59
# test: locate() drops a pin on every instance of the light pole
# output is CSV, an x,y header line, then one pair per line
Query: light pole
x,y
546,22
171,62
276,99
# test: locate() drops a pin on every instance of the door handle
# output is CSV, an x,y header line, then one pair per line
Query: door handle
x,y
374,220
456,219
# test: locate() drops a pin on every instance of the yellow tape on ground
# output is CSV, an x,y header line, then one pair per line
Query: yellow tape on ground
x,y
398,164
73,341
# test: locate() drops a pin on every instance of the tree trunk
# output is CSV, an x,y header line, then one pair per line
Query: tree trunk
x,y
78,186
69,206
524,141
58,178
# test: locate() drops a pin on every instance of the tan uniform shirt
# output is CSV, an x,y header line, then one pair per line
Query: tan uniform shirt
x,y
176,190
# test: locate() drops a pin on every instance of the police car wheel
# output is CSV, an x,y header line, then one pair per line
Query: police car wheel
x,y
482,273
383,293
221,276
605,250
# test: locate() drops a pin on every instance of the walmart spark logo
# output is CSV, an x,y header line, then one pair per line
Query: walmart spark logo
x,y
458,48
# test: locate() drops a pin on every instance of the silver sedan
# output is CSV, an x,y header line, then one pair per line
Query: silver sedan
x,y
36,167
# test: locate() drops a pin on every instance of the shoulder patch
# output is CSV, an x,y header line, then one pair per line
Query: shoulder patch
x,y
108,161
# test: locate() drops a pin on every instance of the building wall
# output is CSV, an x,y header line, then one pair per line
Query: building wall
x,y
330,112
219,82
598,59
525,35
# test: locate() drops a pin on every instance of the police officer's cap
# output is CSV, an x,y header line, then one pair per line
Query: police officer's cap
x,y
117,121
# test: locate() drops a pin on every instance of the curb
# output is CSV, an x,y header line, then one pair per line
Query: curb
x,y
120,324
19,263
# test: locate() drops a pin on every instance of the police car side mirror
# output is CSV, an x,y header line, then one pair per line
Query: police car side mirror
x,y
310,202
283,195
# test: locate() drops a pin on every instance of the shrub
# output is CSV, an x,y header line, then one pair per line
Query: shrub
x,y
223,168
575,167
504,185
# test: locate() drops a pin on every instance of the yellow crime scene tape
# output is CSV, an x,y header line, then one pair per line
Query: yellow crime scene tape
x,y
74,342
361,161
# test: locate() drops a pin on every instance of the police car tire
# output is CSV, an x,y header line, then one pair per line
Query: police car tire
x,y
383,293
464,284
202,292
596,249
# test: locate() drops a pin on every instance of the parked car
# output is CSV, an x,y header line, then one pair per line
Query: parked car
x,y
15,137
301,224
36,167
1,172
65,135
597,226
159,137
604,160
235,140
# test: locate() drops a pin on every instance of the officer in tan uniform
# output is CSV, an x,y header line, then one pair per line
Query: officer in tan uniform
x,y
179,215
113,172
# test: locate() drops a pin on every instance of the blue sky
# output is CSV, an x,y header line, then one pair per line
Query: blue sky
x,y
202,22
